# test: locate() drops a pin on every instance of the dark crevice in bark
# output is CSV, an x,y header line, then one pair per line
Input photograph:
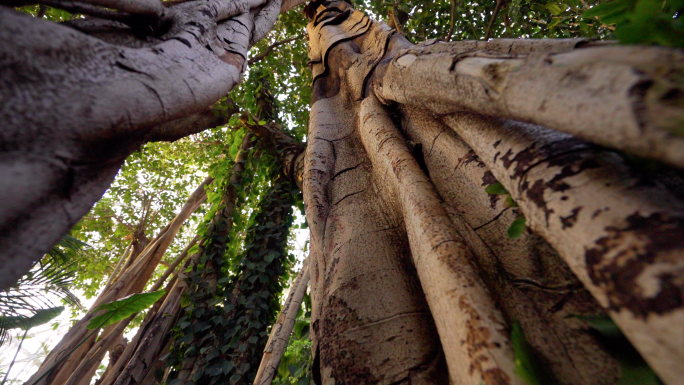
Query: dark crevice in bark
x,y
492,220
346,170
347,196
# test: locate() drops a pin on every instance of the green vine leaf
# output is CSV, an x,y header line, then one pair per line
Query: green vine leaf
x,y
496,189
527,366
41,317
517,227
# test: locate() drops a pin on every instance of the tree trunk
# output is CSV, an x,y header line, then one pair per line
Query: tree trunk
x,y
131,281
281,330
399,155
115,92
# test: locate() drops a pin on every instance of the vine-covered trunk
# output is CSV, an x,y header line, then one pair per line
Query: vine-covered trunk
x,y
222,330
419,178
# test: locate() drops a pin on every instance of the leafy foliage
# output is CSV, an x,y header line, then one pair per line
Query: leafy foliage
x,y
42,316
295,365
236,287
431,19
124,308
643,21
527,366
34,294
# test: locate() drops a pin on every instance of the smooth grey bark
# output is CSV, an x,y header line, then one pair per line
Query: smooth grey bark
x,y
74,106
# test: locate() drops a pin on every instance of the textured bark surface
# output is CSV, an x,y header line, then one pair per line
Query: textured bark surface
x,y
370,320
626,97
526,277
116,90
618,230
608,237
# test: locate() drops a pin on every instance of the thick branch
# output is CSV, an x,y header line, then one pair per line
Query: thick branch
x,y
625,97
130,92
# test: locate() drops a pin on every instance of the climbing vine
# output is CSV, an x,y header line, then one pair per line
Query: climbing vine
x,y
238,280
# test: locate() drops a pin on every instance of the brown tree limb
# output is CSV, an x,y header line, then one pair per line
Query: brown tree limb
x,y
132,91
495,14
270,48
453,19
281,330
42,10
604,88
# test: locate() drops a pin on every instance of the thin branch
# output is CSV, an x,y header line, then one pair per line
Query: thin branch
x,y
41,11
453,17
75,7
270,48
172,266
499,3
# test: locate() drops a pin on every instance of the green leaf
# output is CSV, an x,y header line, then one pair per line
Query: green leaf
x,y
41,317
605,9
510,202
292,369
527,366
554,8
517,227
124,308
262,122
554,22
496,189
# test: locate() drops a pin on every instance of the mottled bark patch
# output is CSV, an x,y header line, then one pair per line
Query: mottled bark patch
x,y
344,360
536,195
478,341
620,258
538,153
571,219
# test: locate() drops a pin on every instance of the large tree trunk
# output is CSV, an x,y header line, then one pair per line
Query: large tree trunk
x,y
77,98
399,154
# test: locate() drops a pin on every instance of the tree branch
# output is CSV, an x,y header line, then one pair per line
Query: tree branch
x,y
499,3
453,17
270,48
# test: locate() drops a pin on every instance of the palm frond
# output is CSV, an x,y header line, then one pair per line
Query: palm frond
x,y
36,292
64,251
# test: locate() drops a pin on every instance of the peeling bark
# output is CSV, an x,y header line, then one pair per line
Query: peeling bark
x,y
626,97
619,231
526,277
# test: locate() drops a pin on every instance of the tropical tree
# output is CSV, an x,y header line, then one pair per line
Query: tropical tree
x,y
411,152
478,209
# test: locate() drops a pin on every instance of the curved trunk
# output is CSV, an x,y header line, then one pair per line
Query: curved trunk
x,y
114,94
529,282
